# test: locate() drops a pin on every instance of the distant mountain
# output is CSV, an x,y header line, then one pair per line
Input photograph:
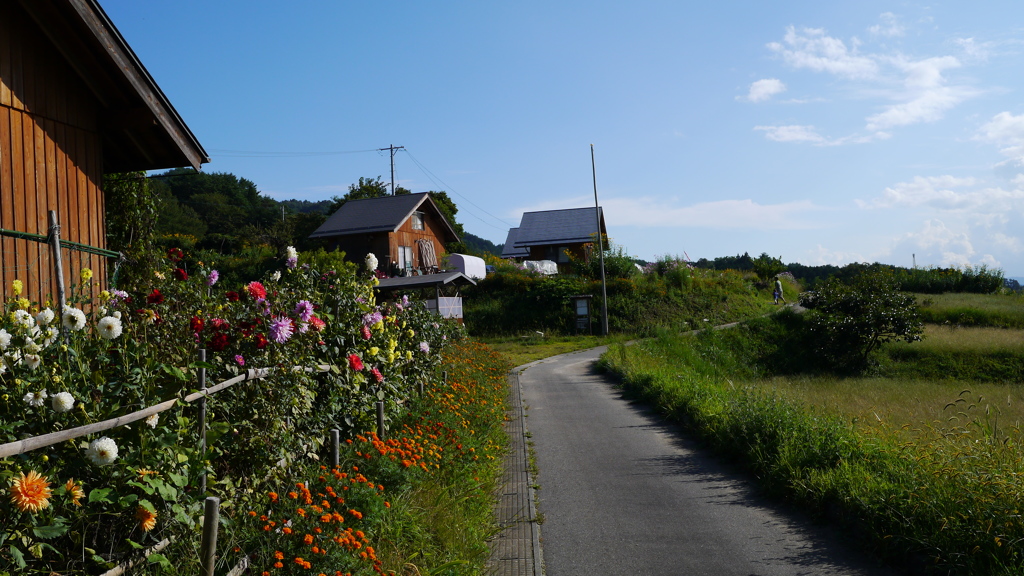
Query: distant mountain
x,y
479,244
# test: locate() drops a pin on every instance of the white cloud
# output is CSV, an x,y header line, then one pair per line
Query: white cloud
x,y
792,134
1007,131
764,89
1011,243
940,245
935,191
811,48
918,90
926,97
889,26
797,133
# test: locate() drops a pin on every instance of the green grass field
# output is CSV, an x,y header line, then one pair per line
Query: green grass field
x,y
924,459
997,310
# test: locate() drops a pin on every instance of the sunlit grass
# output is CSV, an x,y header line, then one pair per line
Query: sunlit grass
x,y
1001,310
533,346
903,403
947,338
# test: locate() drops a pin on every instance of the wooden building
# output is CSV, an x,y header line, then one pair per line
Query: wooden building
x,y
407,233
555,235
75,103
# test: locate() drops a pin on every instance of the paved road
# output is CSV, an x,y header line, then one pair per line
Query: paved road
x,y
624,493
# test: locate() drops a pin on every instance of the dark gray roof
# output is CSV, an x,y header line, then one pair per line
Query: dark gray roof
x,y
441,278
139,127
384,214
569,226
509,250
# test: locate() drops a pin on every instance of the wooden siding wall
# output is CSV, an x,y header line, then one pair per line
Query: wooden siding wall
x,y
406,236
50,159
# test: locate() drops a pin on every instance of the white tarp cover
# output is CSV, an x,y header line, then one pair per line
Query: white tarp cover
x,y
471,266
547,267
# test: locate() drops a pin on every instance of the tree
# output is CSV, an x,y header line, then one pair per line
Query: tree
x,y
850,321
366,188
767,267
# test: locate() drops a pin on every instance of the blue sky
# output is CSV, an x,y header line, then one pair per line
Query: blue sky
x,y
821,132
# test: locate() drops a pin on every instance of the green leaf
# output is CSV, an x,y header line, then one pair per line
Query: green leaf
x,y
99,495
134,544
127,499
18,556
174,371
52,531
157,558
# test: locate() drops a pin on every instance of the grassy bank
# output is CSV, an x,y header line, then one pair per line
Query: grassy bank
x,y
957,309
922,474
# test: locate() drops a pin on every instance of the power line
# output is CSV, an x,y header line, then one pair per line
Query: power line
x,y
436,180
265,154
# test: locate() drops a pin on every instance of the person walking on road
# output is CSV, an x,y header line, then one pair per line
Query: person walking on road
x,y
778,292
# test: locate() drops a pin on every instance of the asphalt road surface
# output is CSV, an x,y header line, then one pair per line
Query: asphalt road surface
x,y
622,492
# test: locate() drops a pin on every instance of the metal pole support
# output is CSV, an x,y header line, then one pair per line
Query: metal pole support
x,y
380,420
421,387
444,377
208,550
202,422
335,447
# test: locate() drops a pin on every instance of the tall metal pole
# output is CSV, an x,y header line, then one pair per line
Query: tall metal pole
x,y
600,248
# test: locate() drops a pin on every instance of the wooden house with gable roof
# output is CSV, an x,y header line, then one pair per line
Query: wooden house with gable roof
x,y
75,103
554,235
407,233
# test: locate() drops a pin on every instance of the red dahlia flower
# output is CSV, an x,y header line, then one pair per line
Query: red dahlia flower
x,y
256,290
355,363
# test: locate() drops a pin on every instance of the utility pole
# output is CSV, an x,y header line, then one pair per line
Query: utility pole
x,y
393,149
600,248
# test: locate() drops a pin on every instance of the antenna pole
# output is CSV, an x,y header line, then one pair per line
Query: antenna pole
x,y
392,148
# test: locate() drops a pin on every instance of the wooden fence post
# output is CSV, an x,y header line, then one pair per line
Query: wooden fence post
x,y
380,420
444,378
335,447
420,385
208,550
58,266
202,422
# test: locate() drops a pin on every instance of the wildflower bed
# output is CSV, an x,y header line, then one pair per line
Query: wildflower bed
x,y
87,504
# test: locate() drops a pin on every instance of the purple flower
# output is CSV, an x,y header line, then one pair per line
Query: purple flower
x,y
372,318
424,347
292,262
212,278
405,300
281,329
240,359
304,310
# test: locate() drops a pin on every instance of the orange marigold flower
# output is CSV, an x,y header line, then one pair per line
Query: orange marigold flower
x,y
307,539
30,493
286,530
75,491
279,555
252,513
147,519
326,518
301,511
293,495
278,565
273,496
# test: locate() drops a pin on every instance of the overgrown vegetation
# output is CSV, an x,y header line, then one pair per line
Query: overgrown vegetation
x,y
925,468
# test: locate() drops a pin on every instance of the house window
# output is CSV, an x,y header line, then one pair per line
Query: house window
x,y
405,257
563,254
417,220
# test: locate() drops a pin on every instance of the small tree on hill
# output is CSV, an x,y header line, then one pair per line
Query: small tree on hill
x,y
766,267
850,321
